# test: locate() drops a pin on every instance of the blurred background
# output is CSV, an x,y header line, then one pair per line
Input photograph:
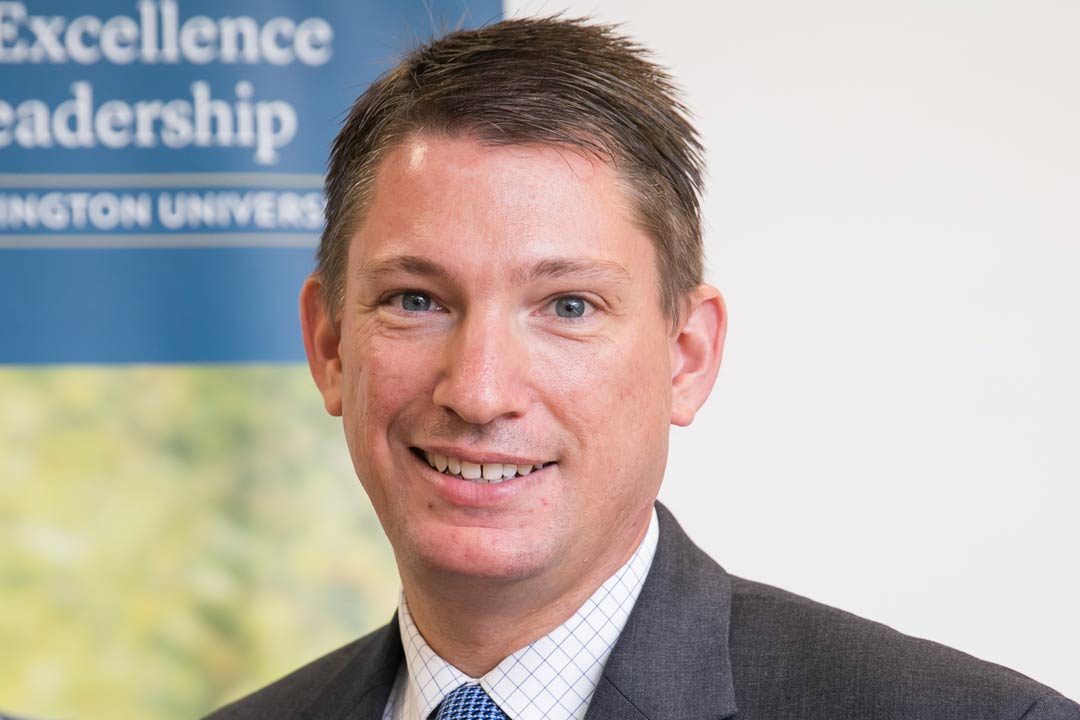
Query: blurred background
x,y
174,536
892,216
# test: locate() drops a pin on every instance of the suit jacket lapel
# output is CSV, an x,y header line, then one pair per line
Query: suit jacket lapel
x,y
360,690
671,661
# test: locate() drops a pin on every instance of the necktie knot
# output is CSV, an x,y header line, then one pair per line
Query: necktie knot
x,y
469,702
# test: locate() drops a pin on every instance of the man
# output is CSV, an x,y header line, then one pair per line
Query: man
x,y
508,313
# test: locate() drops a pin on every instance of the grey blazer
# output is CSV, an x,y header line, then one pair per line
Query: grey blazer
x,y
704,645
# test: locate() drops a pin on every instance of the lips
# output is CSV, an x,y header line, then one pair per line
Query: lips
x,y
477,472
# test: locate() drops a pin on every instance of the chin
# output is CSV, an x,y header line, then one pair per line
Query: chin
x,y
489,553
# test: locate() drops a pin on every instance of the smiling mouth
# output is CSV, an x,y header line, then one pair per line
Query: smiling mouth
x,y
491,473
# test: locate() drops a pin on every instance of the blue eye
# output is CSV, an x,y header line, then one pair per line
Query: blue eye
x,y
415,302
571,306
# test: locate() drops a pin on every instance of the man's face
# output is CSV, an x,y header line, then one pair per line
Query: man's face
x,y
502,311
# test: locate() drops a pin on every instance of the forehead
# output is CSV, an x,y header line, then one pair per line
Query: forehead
x,y
460,199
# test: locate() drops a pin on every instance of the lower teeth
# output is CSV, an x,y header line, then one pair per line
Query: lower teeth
x,y
480,479
447,471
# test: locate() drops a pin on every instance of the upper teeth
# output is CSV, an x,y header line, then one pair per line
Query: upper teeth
x,y
478,472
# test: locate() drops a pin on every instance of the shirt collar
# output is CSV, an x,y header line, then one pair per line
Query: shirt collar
x,y
554,676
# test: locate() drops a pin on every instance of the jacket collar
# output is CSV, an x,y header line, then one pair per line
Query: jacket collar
x,y
361,688
672,659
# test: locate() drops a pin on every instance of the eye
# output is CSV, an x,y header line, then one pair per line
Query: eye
x,y
413,302
572,306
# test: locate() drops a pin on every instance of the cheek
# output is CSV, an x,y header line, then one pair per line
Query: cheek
x,y
384,377
641,409
616,398
385,381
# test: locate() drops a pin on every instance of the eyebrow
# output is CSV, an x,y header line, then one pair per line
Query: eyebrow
x,y
586,269
408,264
590,269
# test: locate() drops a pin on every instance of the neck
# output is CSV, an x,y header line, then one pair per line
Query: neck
x,y
474,624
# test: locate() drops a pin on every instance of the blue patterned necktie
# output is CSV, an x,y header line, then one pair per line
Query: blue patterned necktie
x,y
469,702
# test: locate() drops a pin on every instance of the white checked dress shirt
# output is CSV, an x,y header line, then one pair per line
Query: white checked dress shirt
x,y
554,678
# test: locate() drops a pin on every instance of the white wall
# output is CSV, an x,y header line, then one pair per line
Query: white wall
x,y
894,217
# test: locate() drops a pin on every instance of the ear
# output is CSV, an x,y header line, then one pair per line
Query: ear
x,y
696,349
321,343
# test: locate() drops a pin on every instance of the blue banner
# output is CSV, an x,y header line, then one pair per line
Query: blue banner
x,y
161,167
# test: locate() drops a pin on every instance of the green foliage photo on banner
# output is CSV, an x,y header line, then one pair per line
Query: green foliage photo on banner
x,y
179,518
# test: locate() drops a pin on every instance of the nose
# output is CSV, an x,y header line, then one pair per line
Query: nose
x,y
484,369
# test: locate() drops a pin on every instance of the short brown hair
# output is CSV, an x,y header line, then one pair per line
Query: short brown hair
x,y
546,81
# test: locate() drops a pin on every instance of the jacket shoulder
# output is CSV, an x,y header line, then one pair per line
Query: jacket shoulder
x,y
291,695
841,665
